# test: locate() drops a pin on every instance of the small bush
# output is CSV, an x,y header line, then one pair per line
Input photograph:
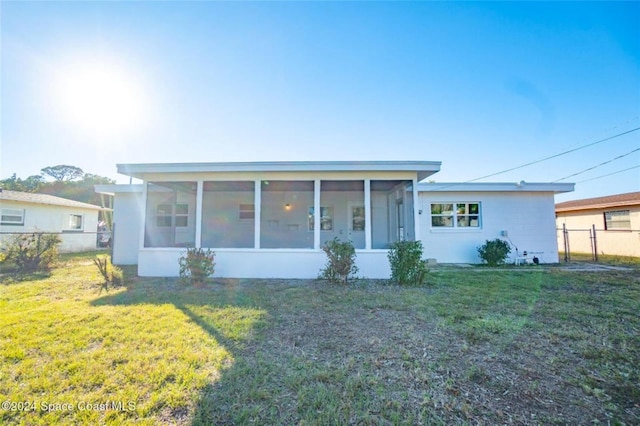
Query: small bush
x,y
196,265
341,261
110,273
407,266
494,252
32,252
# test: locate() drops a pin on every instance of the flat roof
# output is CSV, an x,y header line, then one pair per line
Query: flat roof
x,y
422,168
111,189
52,200
609,201
556,188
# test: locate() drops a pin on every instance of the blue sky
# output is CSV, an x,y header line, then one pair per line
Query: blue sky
x,y
482,87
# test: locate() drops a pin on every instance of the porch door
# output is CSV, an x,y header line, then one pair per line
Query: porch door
x,y
356,224
400,219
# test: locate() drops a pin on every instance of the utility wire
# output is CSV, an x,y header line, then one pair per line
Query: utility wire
x,y
546,158
557,155
609,174
598,165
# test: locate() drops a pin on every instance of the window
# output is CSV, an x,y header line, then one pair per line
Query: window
x,y
182,215
617,220
326,218
169,216
247,212
12,217
455,215
357,218
75,222
163,216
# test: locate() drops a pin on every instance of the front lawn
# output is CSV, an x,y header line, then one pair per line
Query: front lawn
x,y
528,347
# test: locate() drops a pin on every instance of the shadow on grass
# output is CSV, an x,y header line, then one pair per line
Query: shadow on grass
x,y
225,314
10,275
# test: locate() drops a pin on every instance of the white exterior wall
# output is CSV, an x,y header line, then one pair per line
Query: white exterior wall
x,y
51,218
528,218
127,216
264,263
614,242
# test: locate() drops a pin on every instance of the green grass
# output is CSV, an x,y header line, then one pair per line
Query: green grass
x,y
531,346
607,259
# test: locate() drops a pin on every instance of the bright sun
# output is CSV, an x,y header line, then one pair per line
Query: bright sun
x,y
99,97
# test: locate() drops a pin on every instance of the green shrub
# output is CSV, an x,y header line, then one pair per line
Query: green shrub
x,y
494,252
341,261
32,252
110,273
407,266
196,265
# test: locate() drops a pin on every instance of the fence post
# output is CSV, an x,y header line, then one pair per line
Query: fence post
x,y
565,235
595,244
591,243
113,238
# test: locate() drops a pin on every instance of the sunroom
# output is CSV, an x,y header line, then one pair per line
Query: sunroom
x,y
270,220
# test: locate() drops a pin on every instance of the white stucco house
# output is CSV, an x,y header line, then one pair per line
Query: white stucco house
x,y
270,219
615,218
24,212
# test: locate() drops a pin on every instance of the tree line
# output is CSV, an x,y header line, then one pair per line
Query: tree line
x,y
64,181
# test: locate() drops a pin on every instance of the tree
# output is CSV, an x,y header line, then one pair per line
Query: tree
x,y
30,184
33,183
63,173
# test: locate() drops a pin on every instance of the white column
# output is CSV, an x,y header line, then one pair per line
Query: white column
x,y
367,214
257,205
143,214
416,211
199,193
316,214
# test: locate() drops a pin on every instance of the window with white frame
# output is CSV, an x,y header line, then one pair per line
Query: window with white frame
x,y
617,220
12,217
75,222
455,215
164,214
182,215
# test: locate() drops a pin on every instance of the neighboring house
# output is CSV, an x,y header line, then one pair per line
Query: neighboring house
x,y
270,219
24,212
616,219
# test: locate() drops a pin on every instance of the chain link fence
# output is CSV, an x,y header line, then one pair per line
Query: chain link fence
x,y
592,244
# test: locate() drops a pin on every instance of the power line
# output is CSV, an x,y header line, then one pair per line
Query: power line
x,y
557,155
598,165
546,158
609,174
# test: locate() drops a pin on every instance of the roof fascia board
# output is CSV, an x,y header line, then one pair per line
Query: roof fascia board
x,y
424,168
556,188
599,206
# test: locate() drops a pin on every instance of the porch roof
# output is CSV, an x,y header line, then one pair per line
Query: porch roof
x,y
556,188
423,169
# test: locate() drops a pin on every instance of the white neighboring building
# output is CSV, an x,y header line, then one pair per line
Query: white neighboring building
x,y
270,219
24,212
616,219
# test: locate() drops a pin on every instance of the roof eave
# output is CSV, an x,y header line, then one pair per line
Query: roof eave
x,y
556,188
597,206
423,168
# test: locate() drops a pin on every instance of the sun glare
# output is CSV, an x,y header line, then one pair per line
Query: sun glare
x,y
99,97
